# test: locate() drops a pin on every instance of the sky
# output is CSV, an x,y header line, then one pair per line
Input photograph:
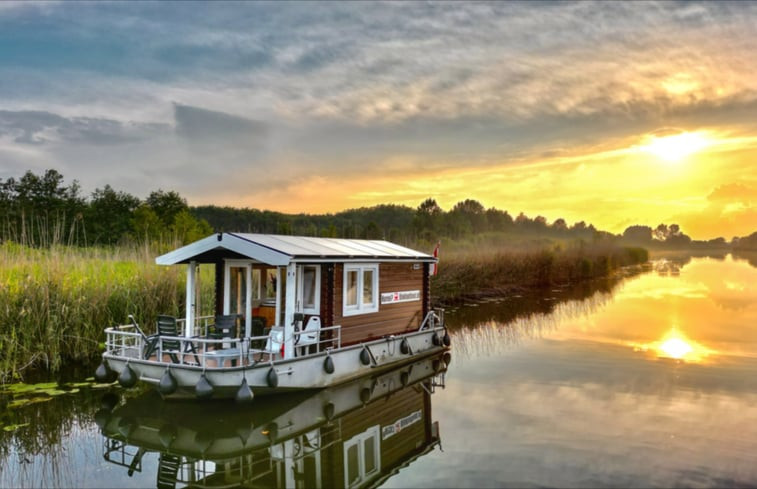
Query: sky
x,y
616,113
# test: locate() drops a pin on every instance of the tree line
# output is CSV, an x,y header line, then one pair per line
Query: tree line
x,y
42,209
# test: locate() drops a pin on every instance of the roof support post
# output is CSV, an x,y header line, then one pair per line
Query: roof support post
x,y
291,284
190,317
248,302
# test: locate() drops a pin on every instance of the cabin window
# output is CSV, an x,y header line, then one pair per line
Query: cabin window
x,y
256,284
239,276
360,289
362,457
310,289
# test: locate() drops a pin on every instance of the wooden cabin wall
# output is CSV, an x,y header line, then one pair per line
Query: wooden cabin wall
x,y
383,412
391,318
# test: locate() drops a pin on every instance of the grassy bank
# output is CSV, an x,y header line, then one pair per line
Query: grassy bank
x,y
55,303
498,270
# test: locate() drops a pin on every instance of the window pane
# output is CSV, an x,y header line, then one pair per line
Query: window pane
x,y
351,288
308,287
353,465
369,454
368,287
238,290
256,284
270,284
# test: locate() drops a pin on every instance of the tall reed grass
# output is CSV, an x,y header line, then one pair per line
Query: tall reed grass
x,y
470,272
55,302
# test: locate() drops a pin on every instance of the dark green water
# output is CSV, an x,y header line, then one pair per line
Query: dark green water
x,y
645,380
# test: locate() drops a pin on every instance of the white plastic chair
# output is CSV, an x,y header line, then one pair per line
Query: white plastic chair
x,y
310,335
275,341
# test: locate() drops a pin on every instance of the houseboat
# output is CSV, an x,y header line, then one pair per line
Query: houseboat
x,y
291,313
353,435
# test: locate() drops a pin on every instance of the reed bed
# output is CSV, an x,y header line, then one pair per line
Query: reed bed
x,y
476,272
55,302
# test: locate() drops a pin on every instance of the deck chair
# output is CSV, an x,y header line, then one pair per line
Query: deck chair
x,y
224,327
310,335
166,327
274,342
258,324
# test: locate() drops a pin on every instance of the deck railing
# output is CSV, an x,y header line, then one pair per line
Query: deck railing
x,y
128,341
434,318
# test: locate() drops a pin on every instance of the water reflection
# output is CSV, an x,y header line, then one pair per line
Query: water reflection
x,y
354,435
644,380
651,385
694,310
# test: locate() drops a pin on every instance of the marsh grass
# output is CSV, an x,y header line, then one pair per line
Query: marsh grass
x,y
55,302
491,270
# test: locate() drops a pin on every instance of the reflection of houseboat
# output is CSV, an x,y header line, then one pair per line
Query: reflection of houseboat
x,y
291,313
356,434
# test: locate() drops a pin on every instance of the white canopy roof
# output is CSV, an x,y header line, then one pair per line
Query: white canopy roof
x,y
281,250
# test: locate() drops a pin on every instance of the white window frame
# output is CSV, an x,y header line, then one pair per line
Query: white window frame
x,y
360,307
247,265
358,440
316,309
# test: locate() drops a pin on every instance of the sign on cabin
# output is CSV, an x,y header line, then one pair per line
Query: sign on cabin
x,y
405,296
400,425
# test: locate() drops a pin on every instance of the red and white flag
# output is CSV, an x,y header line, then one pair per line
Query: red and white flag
x,y
435,266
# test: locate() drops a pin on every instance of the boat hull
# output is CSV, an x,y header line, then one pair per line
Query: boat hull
x,y
300,373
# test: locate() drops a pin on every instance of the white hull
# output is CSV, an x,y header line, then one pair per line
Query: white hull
x,y
299,373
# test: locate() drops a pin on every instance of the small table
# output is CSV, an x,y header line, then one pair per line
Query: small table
x,y
222,355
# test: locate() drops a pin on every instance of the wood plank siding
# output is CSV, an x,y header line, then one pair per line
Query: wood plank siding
x,y
383,412
394,318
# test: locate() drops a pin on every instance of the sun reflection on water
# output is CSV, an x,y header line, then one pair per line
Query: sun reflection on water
x,y
676,346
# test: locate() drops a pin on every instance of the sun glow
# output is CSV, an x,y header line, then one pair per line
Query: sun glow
x,y
676,346
674,148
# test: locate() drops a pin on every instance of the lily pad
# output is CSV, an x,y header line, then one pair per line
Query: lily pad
x,y
16,403
21,388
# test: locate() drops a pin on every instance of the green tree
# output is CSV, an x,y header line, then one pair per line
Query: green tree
x,y
166,205
146,225
428,218
186,228
109,214
470,212
638,234
372,231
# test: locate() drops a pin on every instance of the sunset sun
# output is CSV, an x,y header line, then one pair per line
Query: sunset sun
x,y
676,147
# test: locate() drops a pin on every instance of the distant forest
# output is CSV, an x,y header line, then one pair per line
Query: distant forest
x,y
41,210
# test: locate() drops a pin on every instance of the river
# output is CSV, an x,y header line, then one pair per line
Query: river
x,y
647,379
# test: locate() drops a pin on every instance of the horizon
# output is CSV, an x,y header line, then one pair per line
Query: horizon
x,y
615,114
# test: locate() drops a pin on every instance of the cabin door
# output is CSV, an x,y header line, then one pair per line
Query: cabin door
x,y
309,290
240,290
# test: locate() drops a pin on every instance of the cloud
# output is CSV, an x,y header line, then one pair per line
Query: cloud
x,y
731,192
194,123
353,91
41,127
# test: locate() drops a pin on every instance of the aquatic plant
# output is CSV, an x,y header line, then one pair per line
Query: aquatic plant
x,y
491,270
56,302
